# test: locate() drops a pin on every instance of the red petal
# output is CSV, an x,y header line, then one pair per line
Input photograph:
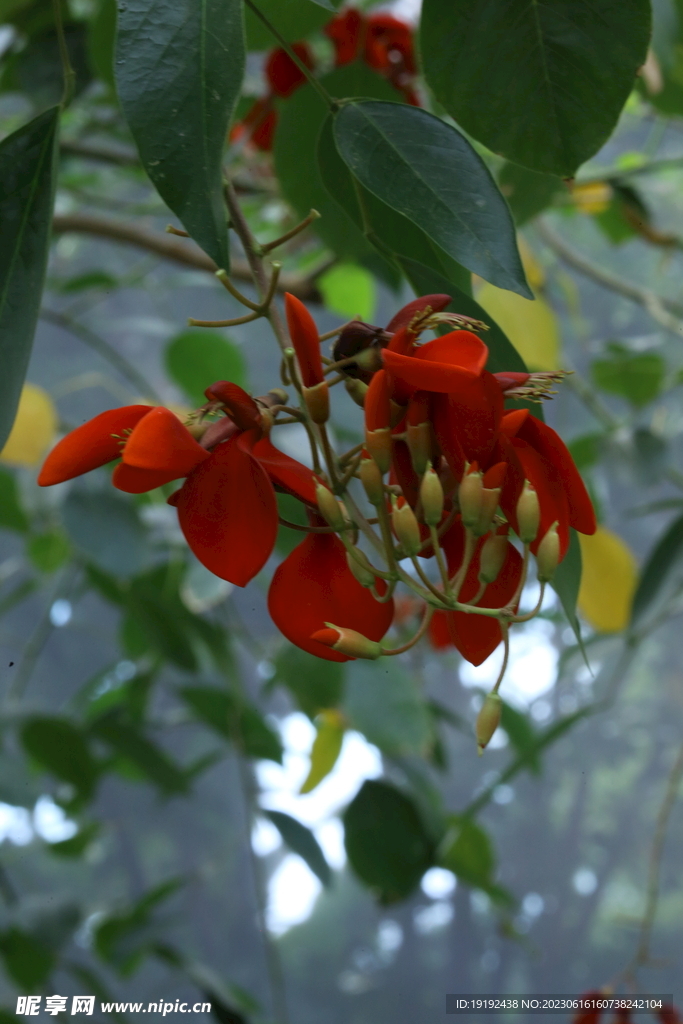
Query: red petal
x,y
284,76
401,319
457,348
344,31
228,512
160,442
467,424
511,379
446,364
377,408
553,449
304,335
242,408
512,422
286,474
524,462
90,445
313,586
137,481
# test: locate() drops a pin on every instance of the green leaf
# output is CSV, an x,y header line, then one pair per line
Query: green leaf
x,y
660,574
389,231
348,290
154,606
76,845
179,68
329,739
124,939
301,841
522,735
429,172
541,84
315,684
241,722
585,450
386,842
467,851
62,749
27,181
293,20
528,192
635,376
48,551
102,41
12,515
106,529
196,359
566,585
291,509
27,961
382,702
151,760
91,279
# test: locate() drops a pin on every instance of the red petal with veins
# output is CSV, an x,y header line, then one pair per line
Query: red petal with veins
x,y
475,636
160,442
286,474
436,303
228,512
91,445
313,586
304,335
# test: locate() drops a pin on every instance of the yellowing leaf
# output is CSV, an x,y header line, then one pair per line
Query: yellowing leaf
x,y
34,428
608,581
326,747
535,274
593,197
530,326
348,290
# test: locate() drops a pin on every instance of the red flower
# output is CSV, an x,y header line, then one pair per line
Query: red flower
x,y
304,335
226,507
284,76
259,124
385,44
475,636
314,585
346,32
668,1015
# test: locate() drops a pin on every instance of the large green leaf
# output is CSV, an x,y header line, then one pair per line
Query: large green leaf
x,y
429,172
386,841
660,575
301,840
179,67
528,192
27,181
541,83
292,18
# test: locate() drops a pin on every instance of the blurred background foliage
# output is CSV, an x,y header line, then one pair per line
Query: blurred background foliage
x,y
191,805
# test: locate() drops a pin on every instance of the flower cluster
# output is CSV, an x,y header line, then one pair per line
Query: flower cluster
x,y
446,477
381,41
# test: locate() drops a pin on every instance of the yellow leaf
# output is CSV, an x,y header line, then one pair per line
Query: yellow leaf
x,y
535,274
34,428
530,326
608,581
593,197
327,744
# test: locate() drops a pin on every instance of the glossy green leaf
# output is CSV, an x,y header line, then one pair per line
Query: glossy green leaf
x,y
128,740
106,528
528,193
567,582
301,841
241,723
61,748
179,68
196,359
349,291
542,84
386,842
660,575
314,684
427,171
467,851
12,515
637,376
293,19
382,701
27,961
27,181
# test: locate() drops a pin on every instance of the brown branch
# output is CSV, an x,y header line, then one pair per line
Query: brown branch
x,y
171,247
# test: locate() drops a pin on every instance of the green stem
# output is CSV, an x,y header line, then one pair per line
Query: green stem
x,y
68,73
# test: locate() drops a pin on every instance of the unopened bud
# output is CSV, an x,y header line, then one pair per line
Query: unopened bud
x,y
488,720
490,499
548,555
317,401
470,498
406,528
431,496
360,568
357,390
492,558
347,641
371,479
528,514
330,509
419,440
378,444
